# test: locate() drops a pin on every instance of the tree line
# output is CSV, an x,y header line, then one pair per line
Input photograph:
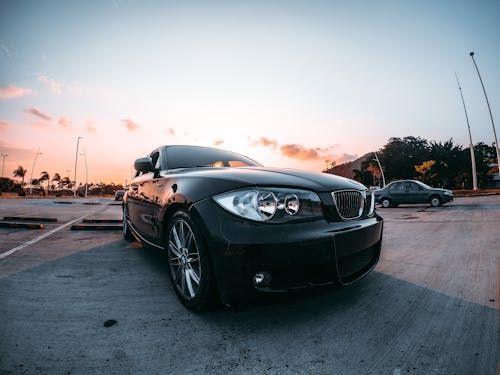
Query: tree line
x,y
439,164
56,185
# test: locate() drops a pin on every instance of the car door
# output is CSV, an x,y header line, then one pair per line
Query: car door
x,y
397,193
416,193
137,203
146,190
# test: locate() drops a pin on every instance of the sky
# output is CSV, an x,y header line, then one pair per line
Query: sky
x,y
287,83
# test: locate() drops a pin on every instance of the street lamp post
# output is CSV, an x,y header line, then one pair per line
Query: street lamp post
x,y
471,146
76,160
32,168
3,161
86,173
489,109
380,167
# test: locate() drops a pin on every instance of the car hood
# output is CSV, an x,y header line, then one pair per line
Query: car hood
x,y
262,176
439,190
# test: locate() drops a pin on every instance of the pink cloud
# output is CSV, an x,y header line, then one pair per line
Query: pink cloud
x,y
263,141
130,125
3,125
55,86
296,151
171,132
37,113
64,122
10,92
15,152
218,142
344,158
90,127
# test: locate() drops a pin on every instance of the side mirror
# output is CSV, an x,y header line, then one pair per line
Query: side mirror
x,y
144,165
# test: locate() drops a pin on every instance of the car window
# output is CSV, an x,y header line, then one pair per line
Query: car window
x,y
397,186
194,156
415,187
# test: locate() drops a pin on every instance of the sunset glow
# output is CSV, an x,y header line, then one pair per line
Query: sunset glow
x,y
288,84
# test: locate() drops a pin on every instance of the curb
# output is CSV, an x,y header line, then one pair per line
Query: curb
x,y
96,227
107,221
6,224
17,218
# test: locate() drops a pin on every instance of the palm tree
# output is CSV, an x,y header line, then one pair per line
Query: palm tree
x,y
44,176
65,182
20,172
57,178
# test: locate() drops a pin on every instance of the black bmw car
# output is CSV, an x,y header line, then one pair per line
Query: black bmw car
x,y
231,227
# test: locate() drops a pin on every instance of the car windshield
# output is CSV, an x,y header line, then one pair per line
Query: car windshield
x,y
195,156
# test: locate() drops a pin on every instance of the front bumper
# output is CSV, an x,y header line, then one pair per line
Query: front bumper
x,y
295,255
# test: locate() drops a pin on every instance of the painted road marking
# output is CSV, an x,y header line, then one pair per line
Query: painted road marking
x,y
41,237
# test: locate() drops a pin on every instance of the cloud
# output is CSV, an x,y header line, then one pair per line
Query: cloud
x,y
218,142
10,92
345,157
6,51
130,125
15,152
299,152
323,150
55,86
37,113
296,151
171,132
64,122
90,127
263,141
3,125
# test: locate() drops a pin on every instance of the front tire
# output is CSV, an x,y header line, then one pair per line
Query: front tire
x,y
190,268
435,201
385,202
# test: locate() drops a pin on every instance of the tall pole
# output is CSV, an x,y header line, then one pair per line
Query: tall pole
x,y
381,170
471,146
76,160
86,173
489,109
32,168
3,161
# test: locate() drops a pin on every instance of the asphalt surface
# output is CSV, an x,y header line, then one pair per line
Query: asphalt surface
x,y
86,302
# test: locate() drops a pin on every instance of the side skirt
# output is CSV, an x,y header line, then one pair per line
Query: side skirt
x,y
140,238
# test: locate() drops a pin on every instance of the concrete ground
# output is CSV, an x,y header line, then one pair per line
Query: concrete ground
x,y
85,302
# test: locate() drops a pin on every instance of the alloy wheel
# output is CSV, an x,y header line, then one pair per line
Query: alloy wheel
x,y
184,259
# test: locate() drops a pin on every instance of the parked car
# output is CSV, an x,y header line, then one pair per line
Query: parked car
x,y
232,227
411,191
119,195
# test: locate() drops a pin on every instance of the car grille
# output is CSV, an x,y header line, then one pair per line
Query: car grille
x,y
349,203
352,266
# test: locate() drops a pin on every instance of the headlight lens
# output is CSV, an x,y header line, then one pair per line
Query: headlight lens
x,y
271,204
372,203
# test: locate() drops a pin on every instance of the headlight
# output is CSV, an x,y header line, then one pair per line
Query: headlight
x,y
371,210
448,192
271,204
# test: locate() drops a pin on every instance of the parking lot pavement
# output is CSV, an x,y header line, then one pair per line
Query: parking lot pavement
x,y
430,307
33,247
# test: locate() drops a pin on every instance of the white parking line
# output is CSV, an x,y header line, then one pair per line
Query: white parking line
x,y
39,238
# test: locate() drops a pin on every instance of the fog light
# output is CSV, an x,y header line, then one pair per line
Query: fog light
x,y
261,279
